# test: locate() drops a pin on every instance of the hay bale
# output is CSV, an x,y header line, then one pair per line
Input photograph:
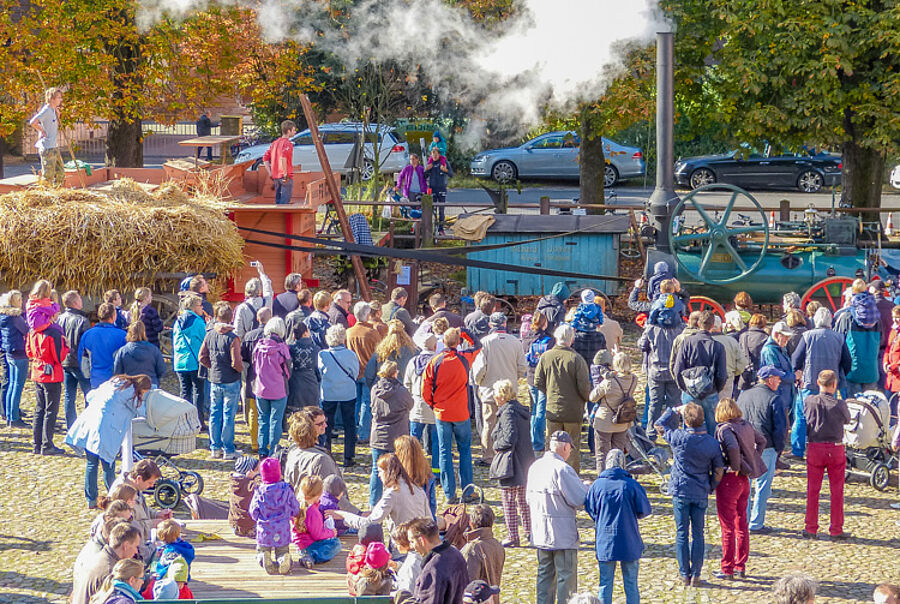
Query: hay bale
x,y
121,237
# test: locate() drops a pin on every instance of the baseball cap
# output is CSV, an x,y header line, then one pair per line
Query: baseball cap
x,y
497,319
479,591
782,328
767,371
561,436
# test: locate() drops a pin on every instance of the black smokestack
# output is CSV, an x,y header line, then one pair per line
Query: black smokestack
x,y
664,199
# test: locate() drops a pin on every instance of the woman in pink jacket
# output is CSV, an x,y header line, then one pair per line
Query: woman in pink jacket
x,y
272,363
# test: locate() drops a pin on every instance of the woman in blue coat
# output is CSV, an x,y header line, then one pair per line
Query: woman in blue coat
x,y
187,339
616,502
100,429
13,329
139,357
774,352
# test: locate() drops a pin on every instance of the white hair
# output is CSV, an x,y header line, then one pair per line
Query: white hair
x,y
584,598
335,335
734,319
275,326
564,334
557,445
362,310
253,287
822,318
621,364
791,300
717,323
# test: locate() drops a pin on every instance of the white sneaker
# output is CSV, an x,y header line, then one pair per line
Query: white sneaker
x,y
216,453
284,564
895,506
230,456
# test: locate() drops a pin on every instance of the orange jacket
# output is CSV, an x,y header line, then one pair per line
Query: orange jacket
x,y
46,347
449,396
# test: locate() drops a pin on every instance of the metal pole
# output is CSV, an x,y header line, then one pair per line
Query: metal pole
x,y
664,198
361,282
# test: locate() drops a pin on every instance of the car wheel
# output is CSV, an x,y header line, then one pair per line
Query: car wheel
x,y
701,177
610,176
810,182
504,171
368,170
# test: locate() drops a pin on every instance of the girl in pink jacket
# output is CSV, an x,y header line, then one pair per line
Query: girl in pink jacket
x,y
314,536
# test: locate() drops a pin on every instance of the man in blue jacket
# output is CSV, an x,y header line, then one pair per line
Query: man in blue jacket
x,y
700,369
101,342
697,467
615,502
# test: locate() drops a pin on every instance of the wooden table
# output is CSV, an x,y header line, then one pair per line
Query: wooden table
x,y
227,568
210,141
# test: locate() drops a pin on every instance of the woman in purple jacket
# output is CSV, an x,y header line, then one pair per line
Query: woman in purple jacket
x,y
272,363
411,180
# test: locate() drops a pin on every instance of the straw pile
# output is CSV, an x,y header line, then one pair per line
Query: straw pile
x,y
118,237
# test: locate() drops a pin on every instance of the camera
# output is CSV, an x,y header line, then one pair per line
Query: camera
x,y
254,263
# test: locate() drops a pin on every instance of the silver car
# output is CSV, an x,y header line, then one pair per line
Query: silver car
x,y
339,140
555,155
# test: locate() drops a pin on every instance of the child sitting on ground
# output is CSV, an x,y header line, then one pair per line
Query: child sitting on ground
x,y
356,559
375,578
667,309
588,315
169,533
314,536
333,491
243,484
272,507
412,564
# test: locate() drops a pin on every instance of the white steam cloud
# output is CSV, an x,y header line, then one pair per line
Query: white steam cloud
x,y
552,51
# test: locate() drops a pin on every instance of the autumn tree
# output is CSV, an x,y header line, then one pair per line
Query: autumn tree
x,y
823,72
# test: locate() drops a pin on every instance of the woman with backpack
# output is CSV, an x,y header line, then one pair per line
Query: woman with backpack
x,y
742,446
537,342
616,409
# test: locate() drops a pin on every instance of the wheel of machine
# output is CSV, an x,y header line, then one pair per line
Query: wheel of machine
x,y
702,177
191,483
504,171
829,292
610,176
880,477
715,234
702,303
167,493
368,170
810,181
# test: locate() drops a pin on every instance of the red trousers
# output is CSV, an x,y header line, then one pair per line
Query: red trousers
x,y
819,458
731,504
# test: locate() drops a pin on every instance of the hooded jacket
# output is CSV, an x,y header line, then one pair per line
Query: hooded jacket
x,y
545,341
74,324
136,358
272,363
391,404
863,344
695,457
661,271
775,355
272,507
101,427
46,347
512,445
101,341
553,304
187,338
13,330
39,311
318,324
615,502
412,379
303,387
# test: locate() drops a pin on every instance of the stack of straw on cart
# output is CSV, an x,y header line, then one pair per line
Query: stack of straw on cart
x,y
119,237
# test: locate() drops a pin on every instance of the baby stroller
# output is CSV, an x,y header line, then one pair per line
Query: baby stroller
x,y
168,426
867,439
645,456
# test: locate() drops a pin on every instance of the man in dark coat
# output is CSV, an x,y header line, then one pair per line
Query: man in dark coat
x,y
700,353
444,572
287,301
204,128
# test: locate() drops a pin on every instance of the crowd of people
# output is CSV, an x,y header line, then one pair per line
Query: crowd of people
x,y
725,395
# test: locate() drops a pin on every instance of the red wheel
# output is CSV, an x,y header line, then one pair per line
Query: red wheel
x,y
829,292
702,303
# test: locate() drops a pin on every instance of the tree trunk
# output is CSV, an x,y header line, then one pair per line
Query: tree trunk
x,y
124,147
592,164
124,142
2,151
861,175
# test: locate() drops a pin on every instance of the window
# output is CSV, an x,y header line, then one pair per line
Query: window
x,y
551,142
340,137
305,139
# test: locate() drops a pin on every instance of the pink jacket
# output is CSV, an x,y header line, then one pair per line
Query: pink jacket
x,y
315,528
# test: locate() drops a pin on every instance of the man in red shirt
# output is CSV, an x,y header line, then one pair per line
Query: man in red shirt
x,y
279,161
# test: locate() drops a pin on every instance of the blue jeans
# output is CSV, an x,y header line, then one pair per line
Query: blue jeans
x,y
5,385
346,408
18,373
661,396
798,430
271,411
193,390
375,486
73,378
324,550
629,577
417,429
709,409
222,409
462,433
538,418
363,411
90,475
689,516
283,189
760,489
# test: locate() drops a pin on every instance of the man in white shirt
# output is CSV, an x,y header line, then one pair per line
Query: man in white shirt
x,y
46,122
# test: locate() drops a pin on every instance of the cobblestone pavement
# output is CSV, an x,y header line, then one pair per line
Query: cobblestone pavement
x,y
44,522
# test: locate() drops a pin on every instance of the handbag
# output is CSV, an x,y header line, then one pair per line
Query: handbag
x,y
501,466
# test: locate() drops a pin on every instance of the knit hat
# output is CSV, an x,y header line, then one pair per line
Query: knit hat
x,y
587,296
334,485
497,319
377,555
603,357
270,470
245,464
371,533
178,570
560,290
165,589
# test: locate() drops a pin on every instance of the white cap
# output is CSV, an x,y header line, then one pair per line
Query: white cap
x,y
782,328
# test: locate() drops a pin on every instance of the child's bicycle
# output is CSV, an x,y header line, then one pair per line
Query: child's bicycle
x,y
174,484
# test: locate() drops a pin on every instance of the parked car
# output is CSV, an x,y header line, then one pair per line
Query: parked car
x,y
808,171
555,155
895,177
339,140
